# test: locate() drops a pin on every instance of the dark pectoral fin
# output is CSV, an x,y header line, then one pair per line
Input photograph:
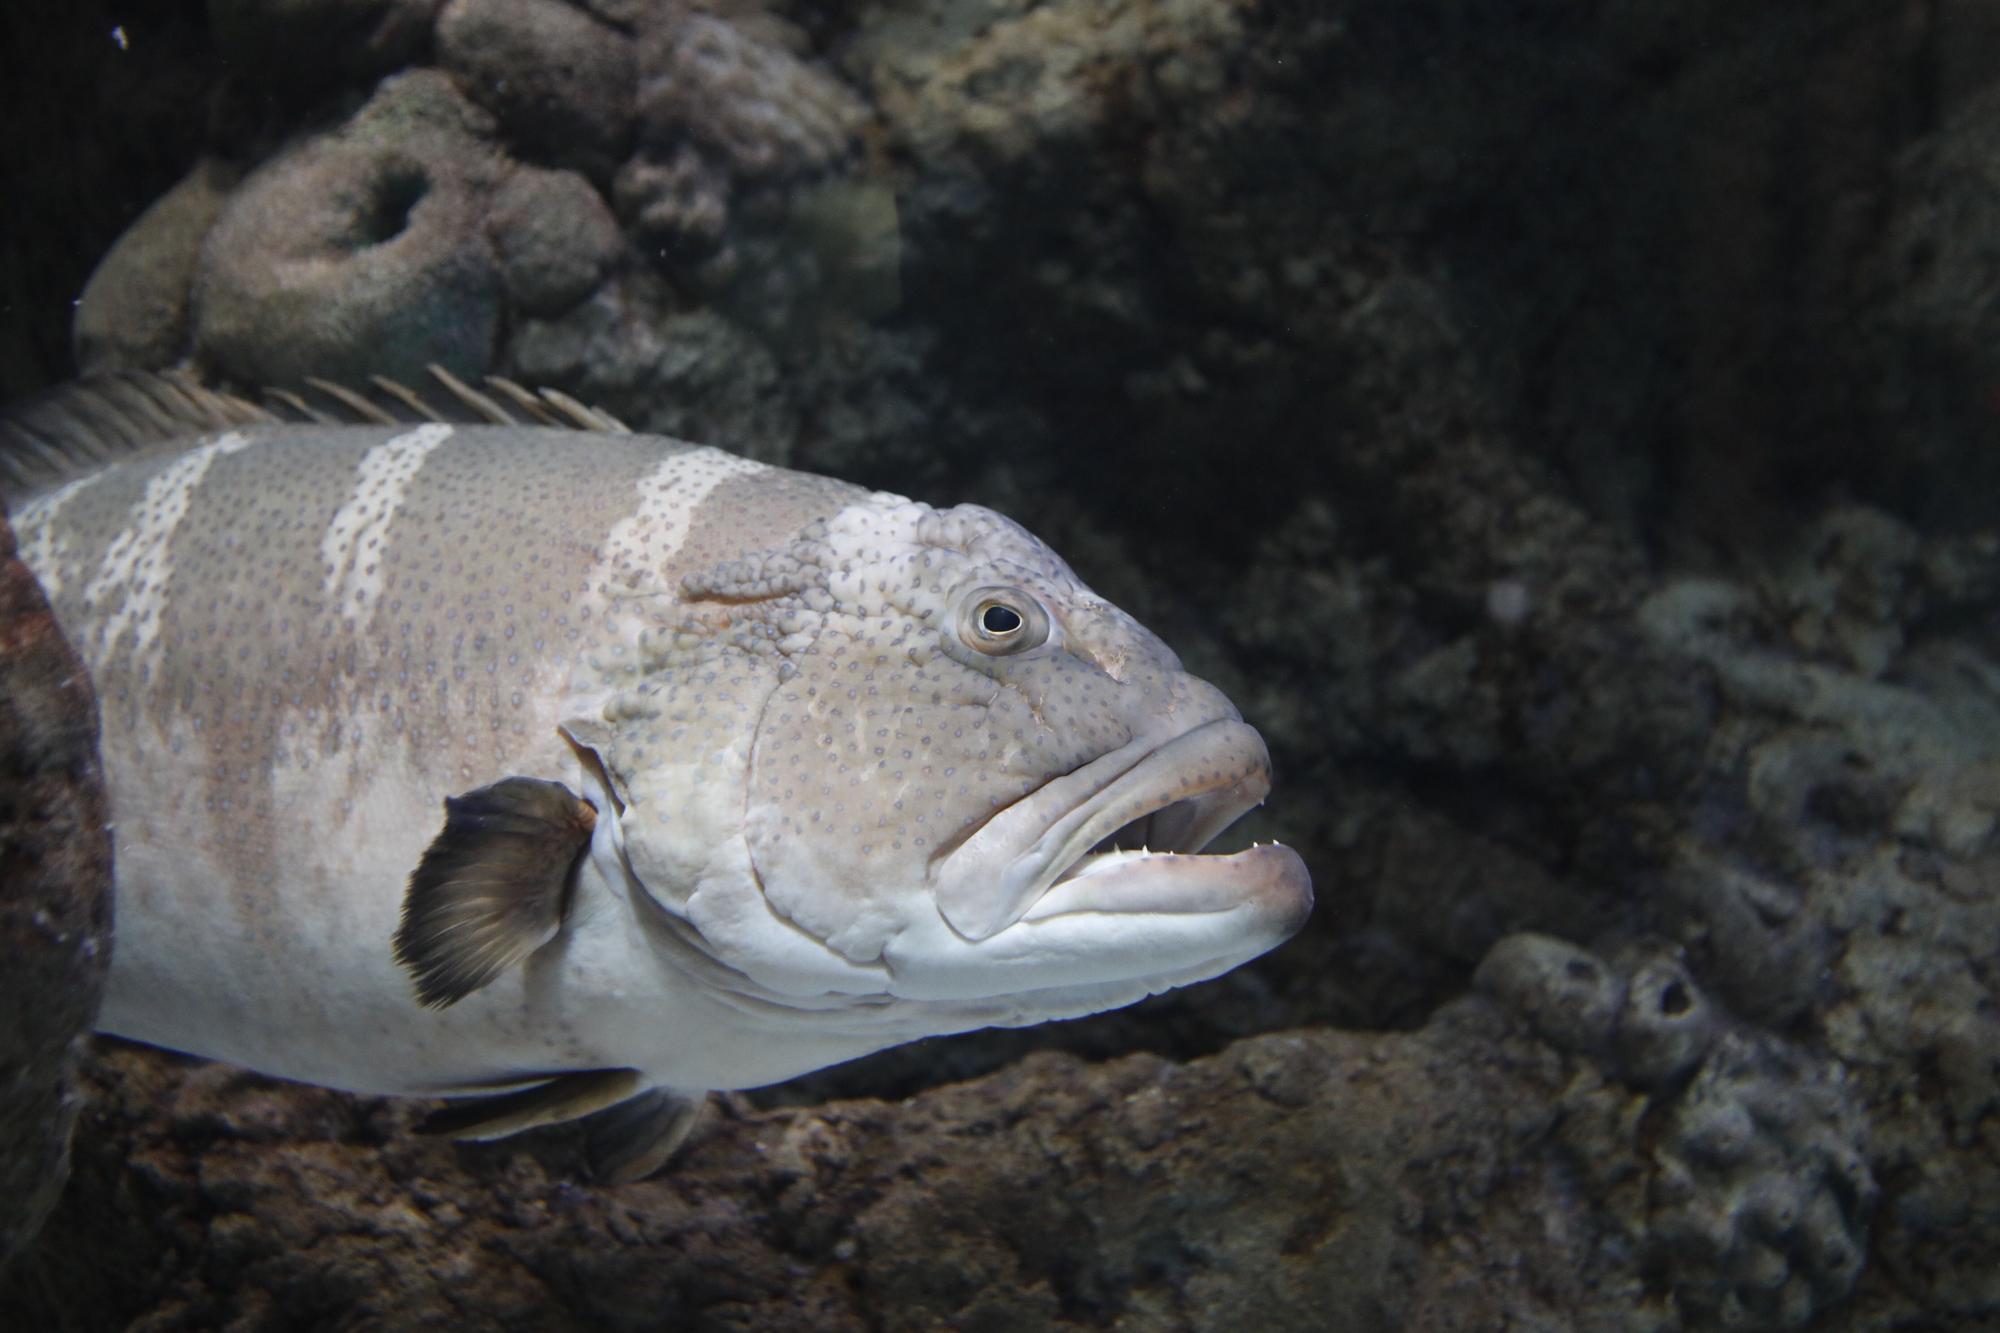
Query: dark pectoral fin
x,y
568,1097
633,1139
492,886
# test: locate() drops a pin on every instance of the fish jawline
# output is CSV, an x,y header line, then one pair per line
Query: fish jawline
x,y
1184,792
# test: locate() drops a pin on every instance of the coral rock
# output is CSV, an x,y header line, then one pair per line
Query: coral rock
x,y
555,238
1766,1196
1570,995
743,96
358,251
134,312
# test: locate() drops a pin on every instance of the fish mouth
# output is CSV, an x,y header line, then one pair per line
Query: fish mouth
x,y
1124,834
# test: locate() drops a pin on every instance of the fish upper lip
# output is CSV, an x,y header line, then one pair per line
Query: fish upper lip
x,y
1188,787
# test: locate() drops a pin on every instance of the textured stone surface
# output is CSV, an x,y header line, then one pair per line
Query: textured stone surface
x,y
358,251
1757,1193
1053,1194
55,897
133,315
1569,433
559,81
554,237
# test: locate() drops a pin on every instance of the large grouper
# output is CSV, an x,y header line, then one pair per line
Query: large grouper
x,y
520,758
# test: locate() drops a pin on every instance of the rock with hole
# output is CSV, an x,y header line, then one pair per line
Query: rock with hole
x,y
361,250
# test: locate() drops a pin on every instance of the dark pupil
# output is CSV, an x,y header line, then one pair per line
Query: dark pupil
x,y
999,620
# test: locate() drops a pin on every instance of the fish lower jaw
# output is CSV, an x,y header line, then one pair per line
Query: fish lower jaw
x,y
1269,878
1126,925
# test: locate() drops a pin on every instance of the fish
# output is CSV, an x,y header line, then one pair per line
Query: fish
x,y
462,743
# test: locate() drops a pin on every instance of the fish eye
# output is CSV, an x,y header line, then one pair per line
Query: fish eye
x,y
1003,621
999,620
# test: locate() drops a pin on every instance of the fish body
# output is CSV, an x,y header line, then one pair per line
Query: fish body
x,y
459,758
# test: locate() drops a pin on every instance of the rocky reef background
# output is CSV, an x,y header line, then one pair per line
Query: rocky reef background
x,y
1568,430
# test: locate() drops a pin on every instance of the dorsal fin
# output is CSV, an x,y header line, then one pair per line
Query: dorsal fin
x,y
70,430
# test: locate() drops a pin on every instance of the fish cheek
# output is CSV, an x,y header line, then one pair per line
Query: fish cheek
x,y
868,763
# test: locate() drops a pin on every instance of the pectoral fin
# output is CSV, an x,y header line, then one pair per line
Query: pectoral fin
x,y
492,887
567,1097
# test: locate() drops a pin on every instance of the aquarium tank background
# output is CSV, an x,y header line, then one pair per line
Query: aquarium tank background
x,y
1570,433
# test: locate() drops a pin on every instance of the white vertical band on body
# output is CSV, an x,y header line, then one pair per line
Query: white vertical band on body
x,y
35,531
139,562
354,542
646,540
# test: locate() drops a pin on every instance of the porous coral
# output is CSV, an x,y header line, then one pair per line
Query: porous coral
x,y
133,314
560,82
1763,1195
724,106
1757,1193
554,236
359,251
740,186
741,92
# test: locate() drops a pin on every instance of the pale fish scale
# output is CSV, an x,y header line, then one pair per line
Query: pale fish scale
x,y
139,563
645,542
37,530
382,482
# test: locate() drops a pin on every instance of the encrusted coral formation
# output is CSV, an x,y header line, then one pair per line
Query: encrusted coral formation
x,y
740,93
554,237
358,251
461,201
560,82
1758,1193
134,312
1763,1195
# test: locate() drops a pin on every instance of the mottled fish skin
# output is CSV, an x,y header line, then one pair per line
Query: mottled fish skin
x,y
305,638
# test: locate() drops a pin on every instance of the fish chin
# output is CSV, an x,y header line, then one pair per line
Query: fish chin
x,y
1127,924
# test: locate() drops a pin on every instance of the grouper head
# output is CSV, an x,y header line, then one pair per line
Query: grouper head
x,y
955,787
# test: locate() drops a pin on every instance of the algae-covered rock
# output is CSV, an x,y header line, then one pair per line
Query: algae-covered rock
x,y
1384,1181
554,237
560,82
360,251
133,315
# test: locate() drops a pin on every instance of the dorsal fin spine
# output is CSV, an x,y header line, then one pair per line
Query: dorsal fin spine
x,y
93,422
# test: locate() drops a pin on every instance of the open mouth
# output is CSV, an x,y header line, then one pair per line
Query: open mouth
x,y
1182,827
1101,826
